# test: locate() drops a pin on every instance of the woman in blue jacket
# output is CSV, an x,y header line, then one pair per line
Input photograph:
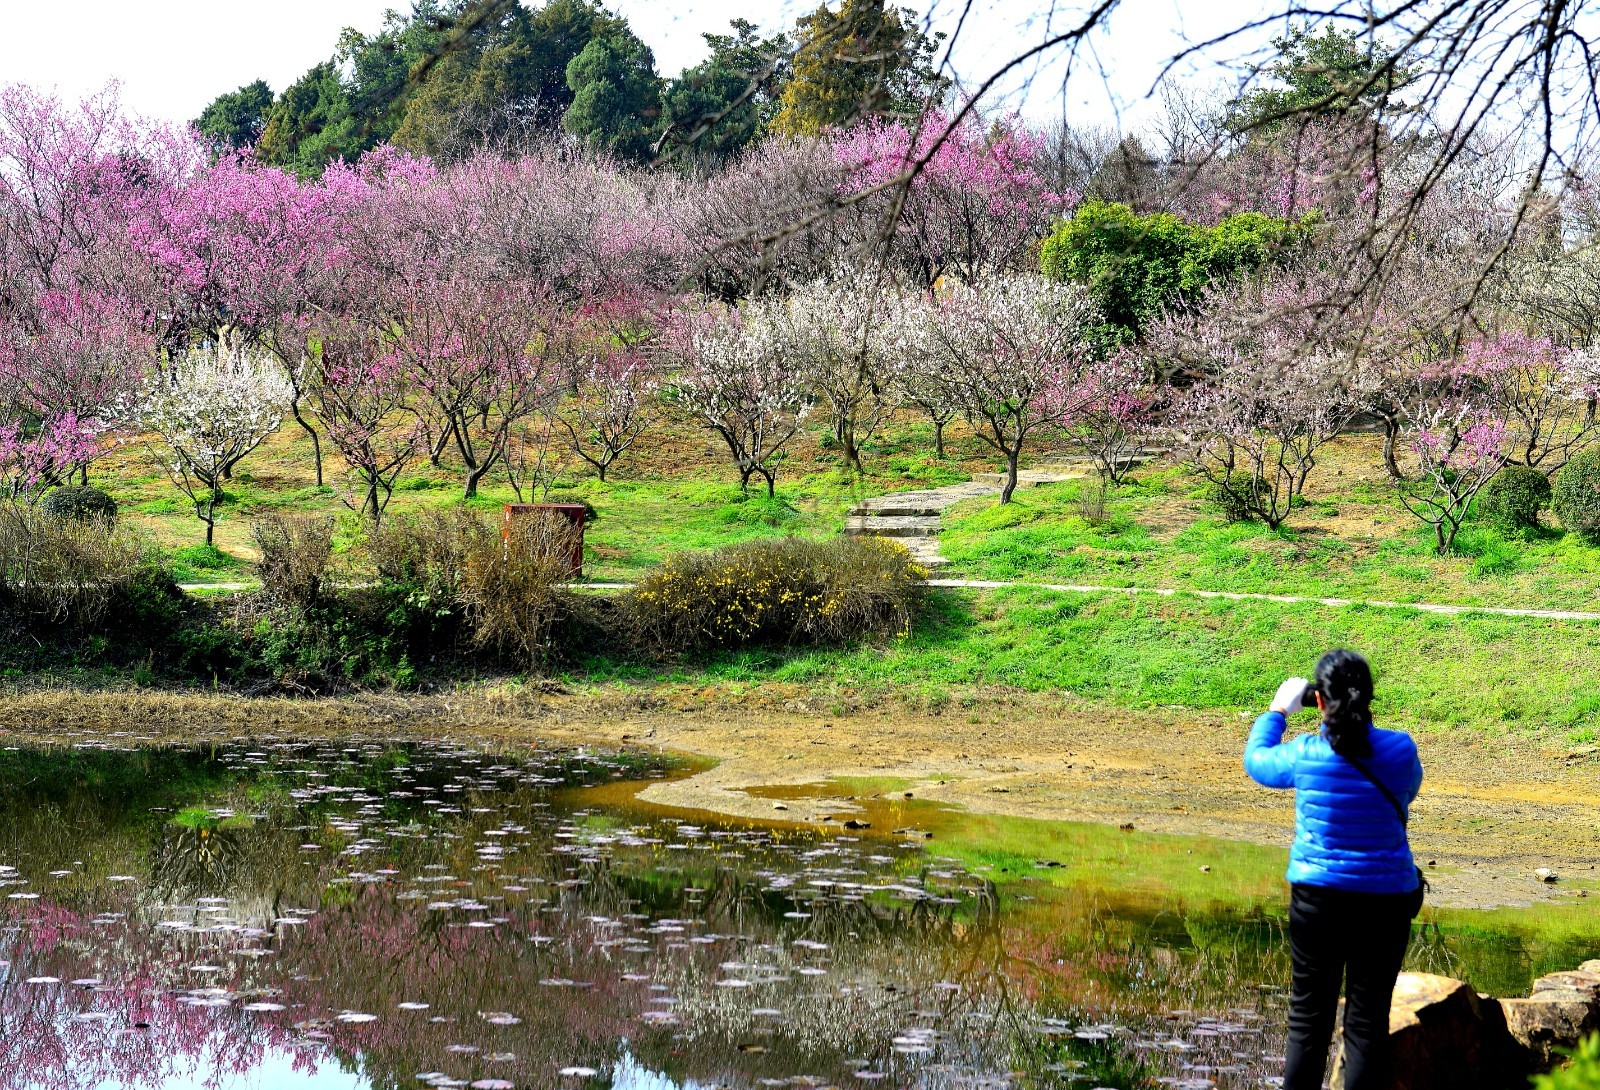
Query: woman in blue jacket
x,y
1354,888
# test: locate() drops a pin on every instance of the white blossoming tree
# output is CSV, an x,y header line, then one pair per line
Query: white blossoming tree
x,y
211,406
832,329
1014,358
736,382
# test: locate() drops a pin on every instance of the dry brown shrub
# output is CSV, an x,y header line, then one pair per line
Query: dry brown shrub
x,y
59,572
514,589
425,553
295,552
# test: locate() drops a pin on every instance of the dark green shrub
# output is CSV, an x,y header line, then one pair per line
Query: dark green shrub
x,y
776,593
1233,497
295,551
1514,497
1576,496
72,502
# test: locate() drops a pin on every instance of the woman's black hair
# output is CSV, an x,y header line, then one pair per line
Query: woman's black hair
x,y
1345,681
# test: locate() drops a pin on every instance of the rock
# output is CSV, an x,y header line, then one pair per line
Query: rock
x,y
1444,1036
1586,981
1204,869
1545,874
852,823
779,806
1590,966
1552,1019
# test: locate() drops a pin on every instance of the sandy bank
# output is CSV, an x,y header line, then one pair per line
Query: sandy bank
x,y
1492,809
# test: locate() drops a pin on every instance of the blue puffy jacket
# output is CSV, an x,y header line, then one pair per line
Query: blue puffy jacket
x,y
1346,834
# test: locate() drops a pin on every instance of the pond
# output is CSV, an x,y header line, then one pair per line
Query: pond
x,y
377,914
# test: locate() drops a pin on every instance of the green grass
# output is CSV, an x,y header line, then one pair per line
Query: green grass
x,y
678,491
1434,672
1353,544
203,564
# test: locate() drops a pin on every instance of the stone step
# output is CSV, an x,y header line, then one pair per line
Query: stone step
x,y
924,551
923,509
893,526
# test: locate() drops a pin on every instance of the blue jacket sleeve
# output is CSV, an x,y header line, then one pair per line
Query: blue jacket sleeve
x,y
1415,782
1268,761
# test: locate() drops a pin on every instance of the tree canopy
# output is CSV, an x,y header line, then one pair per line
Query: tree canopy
x,y
1137,265
234,120
616,96
1331,74
725,103
864,60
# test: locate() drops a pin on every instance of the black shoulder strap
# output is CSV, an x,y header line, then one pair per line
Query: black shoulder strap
x,y
1367,772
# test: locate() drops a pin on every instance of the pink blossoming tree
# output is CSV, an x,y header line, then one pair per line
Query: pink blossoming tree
x,y
954,199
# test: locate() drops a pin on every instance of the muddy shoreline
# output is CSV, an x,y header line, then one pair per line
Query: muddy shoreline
x,y
1492,809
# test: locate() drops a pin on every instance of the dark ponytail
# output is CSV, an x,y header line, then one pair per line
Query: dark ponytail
x,y
1345,681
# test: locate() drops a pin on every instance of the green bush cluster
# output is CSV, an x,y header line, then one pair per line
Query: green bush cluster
x,y
1576,496
1138,265
776,593
1514,497
72,502
1233,497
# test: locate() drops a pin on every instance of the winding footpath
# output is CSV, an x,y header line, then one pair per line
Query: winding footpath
x,y
913,518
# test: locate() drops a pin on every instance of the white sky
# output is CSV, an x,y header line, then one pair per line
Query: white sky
x,y
173,56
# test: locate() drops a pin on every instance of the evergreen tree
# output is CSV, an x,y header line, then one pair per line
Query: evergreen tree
x,y
1332,74
864,60
384,66
506,73
306,127
616,96
235,119
720,106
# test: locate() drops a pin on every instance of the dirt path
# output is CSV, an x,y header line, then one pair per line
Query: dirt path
x,y
1492,810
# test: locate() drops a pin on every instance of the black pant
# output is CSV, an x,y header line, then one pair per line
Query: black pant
x,y
1359,939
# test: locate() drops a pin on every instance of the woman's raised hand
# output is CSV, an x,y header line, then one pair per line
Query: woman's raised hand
x,y
1291,696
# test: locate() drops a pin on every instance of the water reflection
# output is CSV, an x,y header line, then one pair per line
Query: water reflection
x,y
384,916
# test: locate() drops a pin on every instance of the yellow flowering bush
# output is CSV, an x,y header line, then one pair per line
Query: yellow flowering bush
x,y
776,593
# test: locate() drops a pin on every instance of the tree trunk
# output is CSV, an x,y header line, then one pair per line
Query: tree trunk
x,y
473,477
600,467
316,443
1391,431
1011,476
938,439
436,451
846,436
